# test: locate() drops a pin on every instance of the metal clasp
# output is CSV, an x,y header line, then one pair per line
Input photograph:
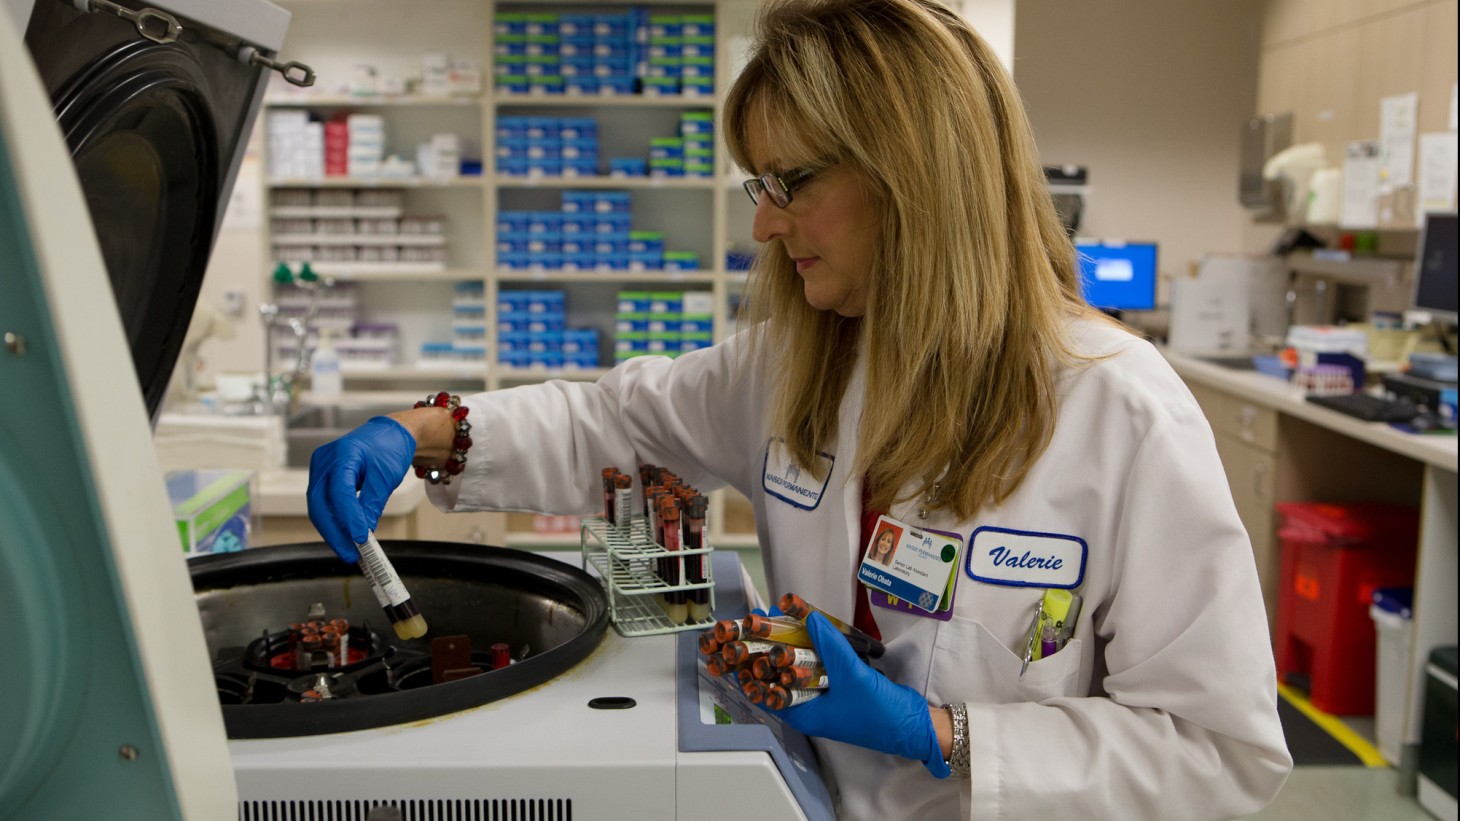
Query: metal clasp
x,y
154,24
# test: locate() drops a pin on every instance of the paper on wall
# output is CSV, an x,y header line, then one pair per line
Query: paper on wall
x,y
1398,116
1437,172
1361,185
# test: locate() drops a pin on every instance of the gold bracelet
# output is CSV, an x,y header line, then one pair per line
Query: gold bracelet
x,y
959,765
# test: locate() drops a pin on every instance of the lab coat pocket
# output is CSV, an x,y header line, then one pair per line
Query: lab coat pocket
x,y
970,664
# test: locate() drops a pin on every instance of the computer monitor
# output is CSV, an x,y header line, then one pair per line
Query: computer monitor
x,y
1435,268
1118,275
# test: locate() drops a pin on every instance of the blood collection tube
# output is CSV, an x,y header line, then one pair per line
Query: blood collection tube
x,y
309,647
609,509
798,608
342,626
742,675
390,591
762,669
694,539
784,655
727,630
786,631
755,690
674,600
623,501
779,698
737,652
716,666
646,480
501,655
806,678
709,645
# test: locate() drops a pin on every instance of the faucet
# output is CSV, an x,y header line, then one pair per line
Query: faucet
x,y
280,391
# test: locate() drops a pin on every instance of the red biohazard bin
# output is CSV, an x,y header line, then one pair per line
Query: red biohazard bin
x,y
1334,556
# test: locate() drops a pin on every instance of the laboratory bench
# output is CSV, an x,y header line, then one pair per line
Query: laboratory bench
x,y
1276,446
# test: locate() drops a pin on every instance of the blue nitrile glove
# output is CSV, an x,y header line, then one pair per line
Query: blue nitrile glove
x,y
370,461
863,707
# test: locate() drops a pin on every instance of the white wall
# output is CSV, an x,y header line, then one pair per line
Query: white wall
x,y
1150,95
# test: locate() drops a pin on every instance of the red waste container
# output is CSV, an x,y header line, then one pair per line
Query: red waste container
x,y
1334,556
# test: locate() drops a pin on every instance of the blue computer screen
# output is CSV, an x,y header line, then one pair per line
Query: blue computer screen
x,y
1118,276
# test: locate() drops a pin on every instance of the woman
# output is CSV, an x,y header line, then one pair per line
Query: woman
x,y
885,545
897,187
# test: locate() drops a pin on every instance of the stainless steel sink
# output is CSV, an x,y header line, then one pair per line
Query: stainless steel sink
x,y
312,426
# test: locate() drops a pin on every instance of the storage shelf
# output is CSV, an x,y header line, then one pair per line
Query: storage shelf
x,y
414,372
383,101
412,240
355,182
611,277
396,271
636,183
608,101
1364,270
526,375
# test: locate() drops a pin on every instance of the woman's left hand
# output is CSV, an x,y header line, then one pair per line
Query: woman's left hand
x,y
862,707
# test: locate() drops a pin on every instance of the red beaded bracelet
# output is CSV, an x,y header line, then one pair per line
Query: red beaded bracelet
x,y
456,462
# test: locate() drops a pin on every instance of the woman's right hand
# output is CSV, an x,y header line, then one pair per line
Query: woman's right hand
x,y
351,478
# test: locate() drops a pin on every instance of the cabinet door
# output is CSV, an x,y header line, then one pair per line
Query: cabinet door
x,y
1251,473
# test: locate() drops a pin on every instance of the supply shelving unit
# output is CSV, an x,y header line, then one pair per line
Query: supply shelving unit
x,y
696,211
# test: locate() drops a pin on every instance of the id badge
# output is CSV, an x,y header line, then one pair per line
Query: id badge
x,y
916,566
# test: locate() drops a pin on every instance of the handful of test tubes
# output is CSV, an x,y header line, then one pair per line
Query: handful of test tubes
x,y
773,658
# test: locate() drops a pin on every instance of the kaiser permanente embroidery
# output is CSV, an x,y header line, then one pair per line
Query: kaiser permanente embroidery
x,y
786,481
1024,558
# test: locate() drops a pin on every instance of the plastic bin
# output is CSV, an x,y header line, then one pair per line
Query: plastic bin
x,y
1334,556
1393,624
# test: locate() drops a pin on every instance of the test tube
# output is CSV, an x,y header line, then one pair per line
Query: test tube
x,y
727,631
646,480
762,669
390,591
755,690
501,655
674,600
786,631
811,677
694,539
709,645
785,655
779,698
798,608
609,509
716,666
737,652
623,501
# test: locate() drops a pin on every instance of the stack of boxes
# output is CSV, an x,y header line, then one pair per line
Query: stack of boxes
x,y
547,146
353,145
592,232
691,153
343,226
681,51
533,332
568,147
630,52
667,323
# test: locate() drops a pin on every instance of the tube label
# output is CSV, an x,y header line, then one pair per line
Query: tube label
x,y
389,589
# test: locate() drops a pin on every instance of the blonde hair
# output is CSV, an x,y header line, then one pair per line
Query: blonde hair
x,y
975,280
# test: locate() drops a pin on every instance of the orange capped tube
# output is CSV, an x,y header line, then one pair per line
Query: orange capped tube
x,y
762,669
738,651
727,631
806,678
755,690
716,666
798,608
786,631
779,698
709,645
784,656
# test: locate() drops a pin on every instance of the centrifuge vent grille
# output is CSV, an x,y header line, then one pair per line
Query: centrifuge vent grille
x,y
518,809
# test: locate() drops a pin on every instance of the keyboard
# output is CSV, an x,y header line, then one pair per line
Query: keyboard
x,y
1369,408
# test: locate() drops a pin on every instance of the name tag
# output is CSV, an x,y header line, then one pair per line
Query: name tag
x,y
1023,558
785,480
910,564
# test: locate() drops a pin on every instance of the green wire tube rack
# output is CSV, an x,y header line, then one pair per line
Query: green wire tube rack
x,y
628,563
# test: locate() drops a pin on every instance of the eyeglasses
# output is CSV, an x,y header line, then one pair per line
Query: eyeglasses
x,y
777,186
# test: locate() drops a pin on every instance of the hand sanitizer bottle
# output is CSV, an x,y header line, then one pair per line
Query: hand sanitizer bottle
x,y
324,368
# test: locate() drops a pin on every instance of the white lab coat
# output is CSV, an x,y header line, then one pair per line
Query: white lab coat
x,y
1162,706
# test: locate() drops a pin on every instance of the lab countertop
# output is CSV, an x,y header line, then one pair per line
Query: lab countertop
x,y
1436,450
281,493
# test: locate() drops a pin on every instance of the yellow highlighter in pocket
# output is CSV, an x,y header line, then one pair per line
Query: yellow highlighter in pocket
x,y
1056,622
